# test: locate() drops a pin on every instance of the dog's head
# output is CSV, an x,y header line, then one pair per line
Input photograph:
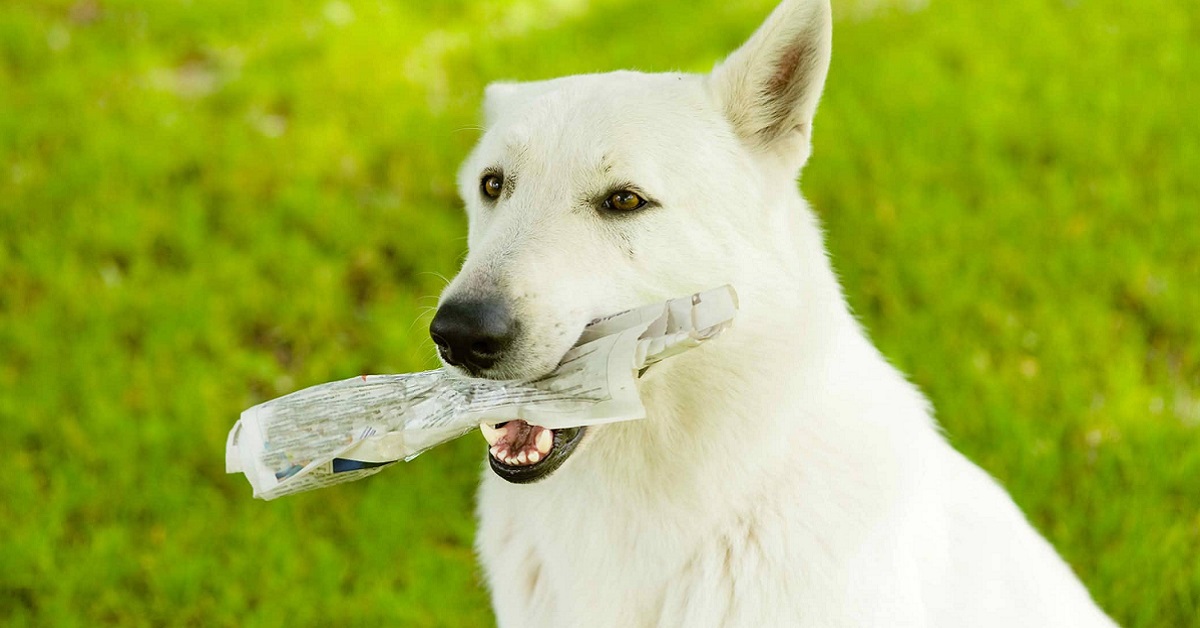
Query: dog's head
x,y
592,194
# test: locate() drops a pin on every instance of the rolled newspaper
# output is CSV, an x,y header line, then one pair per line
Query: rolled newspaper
x,y
350,429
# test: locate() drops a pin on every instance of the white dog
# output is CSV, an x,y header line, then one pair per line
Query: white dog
x,y
785,474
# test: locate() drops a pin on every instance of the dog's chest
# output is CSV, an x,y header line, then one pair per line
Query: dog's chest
x,y
556,563
556,558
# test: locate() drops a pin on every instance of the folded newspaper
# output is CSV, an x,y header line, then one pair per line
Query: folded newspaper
x,y
350,429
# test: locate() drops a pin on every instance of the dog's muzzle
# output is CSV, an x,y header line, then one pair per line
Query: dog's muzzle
x,y
473,335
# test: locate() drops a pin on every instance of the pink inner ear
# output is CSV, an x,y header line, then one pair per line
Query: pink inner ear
x,y
783,91
785,70
795,71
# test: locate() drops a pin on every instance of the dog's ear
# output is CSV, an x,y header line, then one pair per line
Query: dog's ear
x,y
502,97
499,97
769,87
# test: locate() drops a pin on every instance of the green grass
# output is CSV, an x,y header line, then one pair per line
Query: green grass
x,y
207,204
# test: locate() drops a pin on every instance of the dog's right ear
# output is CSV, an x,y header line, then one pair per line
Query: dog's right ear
x,y
503,97
499,97
769,87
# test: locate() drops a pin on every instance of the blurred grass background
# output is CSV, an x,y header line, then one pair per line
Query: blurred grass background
x,y
207,204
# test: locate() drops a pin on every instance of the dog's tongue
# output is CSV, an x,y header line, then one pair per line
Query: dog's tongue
x,y
518,443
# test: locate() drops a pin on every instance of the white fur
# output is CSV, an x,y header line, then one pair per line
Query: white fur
x,y
785,474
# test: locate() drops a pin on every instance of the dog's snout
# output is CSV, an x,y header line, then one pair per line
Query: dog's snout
x,y
473,335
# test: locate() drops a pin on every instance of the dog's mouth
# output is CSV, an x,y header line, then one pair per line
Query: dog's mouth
x,y
522,453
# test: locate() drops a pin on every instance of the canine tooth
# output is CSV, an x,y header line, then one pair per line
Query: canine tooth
x,y
492,434
534,456
522,457
544,441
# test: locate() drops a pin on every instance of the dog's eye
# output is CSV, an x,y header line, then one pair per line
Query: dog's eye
x,y
491,185
624,200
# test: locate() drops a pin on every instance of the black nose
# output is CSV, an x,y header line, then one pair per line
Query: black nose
x,y
473,334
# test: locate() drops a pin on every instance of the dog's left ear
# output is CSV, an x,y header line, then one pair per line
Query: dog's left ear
x,y
769,87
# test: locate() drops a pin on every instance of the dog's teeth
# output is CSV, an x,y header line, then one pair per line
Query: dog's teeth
x,y
545,440
534,457
522,457
511,461
495,451
492,434
502,454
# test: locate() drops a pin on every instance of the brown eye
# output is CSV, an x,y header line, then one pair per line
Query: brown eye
x,y
624,200
492,185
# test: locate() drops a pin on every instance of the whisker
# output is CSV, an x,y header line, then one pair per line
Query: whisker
x,y
435,274
427,313
427,354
